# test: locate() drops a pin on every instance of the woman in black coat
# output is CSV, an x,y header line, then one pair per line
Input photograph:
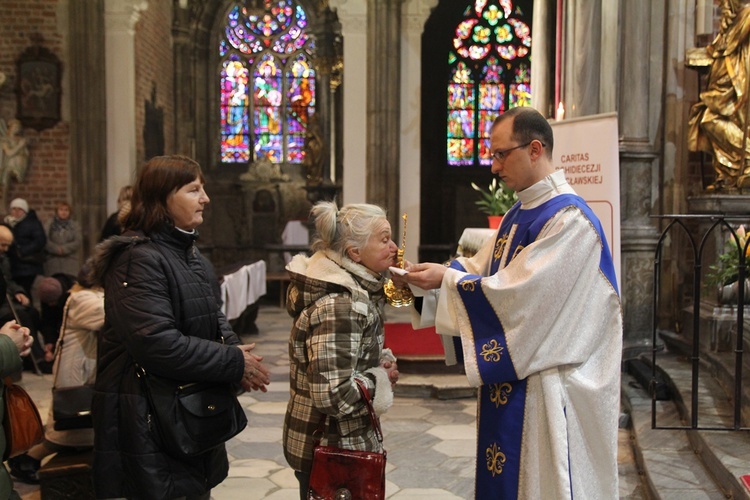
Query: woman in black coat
x,y
161,313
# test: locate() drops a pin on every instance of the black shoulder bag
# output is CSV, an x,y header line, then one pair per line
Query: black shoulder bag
x,y
71,406
192,418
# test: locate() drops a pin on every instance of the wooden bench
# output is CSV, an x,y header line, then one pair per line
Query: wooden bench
x,y
283,279
67,475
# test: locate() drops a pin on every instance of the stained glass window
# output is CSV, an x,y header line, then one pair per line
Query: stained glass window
x,y
267,83
490,72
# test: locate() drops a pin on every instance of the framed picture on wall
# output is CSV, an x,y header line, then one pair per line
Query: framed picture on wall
x,y
38,88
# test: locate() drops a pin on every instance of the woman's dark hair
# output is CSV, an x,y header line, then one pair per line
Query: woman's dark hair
x,y
161,176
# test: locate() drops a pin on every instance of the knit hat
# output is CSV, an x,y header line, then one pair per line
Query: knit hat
x,y
49,290
20,203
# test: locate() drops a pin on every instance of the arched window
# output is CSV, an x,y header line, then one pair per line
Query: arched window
x,y
489,73
267,83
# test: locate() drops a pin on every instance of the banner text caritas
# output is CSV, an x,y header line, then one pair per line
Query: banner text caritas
x,y
579,173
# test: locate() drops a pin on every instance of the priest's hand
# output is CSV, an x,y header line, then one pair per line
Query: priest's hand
x,y
426,275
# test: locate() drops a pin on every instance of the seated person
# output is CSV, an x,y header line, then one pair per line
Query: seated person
x,y
52,292
22,310
27,252
75,365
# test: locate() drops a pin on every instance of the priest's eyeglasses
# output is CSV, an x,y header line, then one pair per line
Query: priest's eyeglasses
x,y
501,154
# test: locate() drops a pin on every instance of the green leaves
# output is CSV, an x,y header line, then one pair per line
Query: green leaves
x,y
726,270
497,199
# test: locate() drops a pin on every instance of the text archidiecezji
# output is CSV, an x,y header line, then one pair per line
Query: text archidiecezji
x,y
579,172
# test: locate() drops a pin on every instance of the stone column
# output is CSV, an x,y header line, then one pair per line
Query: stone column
x,y
582,57
415,14
185,95
326,30
352,15
543,60
638,161
383,105
120,17
88,124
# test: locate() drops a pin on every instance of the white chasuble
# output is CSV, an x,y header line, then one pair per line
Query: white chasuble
x,y
538,315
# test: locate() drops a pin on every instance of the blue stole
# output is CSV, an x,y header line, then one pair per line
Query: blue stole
x,y
502,395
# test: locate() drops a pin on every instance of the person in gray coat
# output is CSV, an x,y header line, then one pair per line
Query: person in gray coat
x,y
63,243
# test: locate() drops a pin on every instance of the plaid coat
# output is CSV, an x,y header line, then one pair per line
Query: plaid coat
x,y
337,336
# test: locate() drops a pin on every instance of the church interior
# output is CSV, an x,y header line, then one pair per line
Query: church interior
x,y
287,102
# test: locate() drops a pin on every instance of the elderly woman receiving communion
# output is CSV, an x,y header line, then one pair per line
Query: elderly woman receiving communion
x,y
336,298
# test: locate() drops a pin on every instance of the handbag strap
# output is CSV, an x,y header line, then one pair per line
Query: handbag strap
x,y
59,346
321,430
368,403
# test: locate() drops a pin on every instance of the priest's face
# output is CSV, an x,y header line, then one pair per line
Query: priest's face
x,y
511,160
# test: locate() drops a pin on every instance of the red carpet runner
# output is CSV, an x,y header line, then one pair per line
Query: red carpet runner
x,y
405,341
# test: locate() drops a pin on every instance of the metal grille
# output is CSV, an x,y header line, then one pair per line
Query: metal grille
x,y
712,226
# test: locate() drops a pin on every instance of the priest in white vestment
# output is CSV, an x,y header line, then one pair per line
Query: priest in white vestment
x,y
537,322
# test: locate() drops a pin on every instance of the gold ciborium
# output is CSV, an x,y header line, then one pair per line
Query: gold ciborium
x,y
399,297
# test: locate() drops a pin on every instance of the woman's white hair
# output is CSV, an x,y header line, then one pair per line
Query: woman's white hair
x,y
341,229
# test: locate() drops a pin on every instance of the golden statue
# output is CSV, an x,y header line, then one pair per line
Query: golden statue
x,y
718,123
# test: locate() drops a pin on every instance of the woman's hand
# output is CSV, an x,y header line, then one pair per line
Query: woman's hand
x,y
20,336
391,368
256,376
22,299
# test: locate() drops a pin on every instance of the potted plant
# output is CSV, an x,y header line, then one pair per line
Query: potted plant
x,y
725,272
495,201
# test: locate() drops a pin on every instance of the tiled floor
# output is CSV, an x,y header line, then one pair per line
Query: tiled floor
x,y
429,441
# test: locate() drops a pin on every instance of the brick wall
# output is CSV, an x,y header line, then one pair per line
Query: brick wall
x,y
21,21
153,67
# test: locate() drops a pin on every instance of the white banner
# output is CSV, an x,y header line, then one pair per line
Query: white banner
x,y
587,148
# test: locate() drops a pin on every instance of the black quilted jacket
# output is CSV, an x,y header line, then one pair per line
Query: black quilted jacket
x,y
27,251
161,312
